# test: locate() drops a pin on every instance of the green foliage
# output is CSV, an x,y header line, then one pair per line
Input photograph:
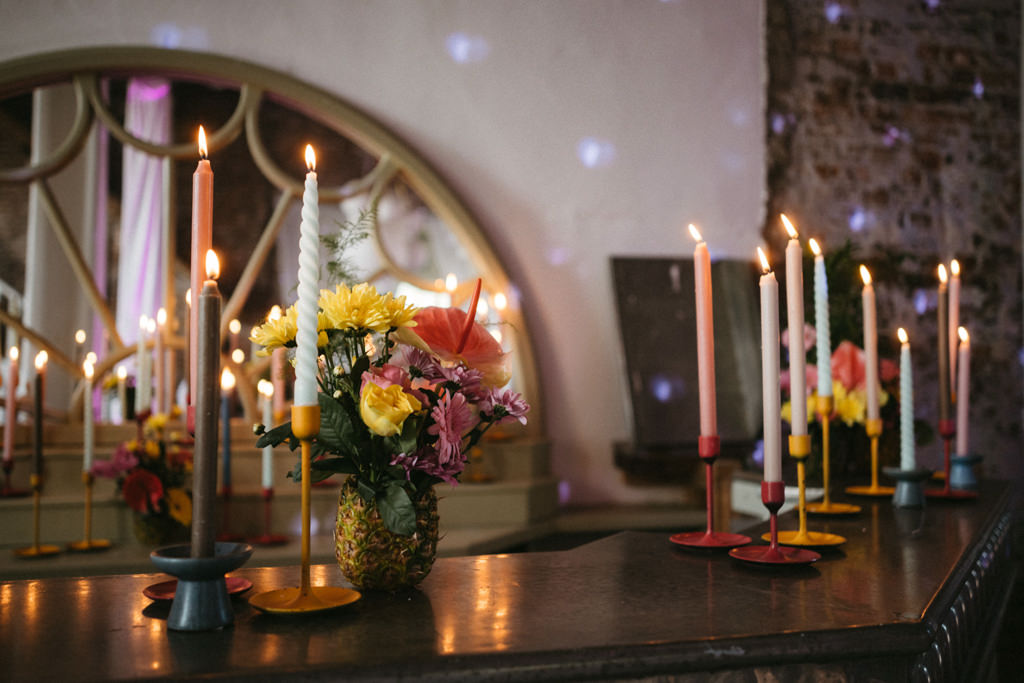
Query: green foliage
x,y
350,233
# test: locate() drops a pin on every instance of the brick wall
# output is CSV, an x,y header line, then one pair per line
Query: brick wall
x,y
896,125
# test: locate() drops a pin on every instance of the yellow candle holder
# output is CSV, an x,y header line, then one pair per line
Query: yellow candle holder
x,y
88,543
800,448
306,598
826,506
873,428
36,550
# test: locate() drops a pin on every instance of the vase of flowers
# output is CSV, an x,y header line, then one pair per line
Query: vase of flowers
x,y
151,473
404,394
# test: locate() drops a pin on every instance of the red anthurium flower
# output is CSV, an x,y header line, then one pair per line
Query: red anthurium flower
x,y
848,366
142,491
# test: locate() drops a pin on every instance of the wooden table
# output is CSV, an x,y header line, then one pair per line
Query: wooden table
x,y
913,595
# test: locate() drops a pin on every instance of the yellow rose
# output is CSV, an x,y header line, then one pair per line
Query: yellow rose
x,y
384,410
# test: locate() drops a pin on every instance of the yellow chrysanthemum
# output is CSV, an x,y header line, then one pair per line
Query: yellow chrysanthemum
x,y
787,411
179,506
358,308
850,406
399,314
151,449
274,334
156,422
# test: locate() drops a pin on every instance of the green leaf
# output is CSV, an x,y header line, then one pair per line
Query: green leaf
x,y
333,466
336,431
368,493
397,511
275,436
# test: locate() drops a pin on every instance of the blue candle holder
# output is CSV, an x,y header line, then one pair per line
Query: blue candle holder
x,y
909,486
961,473
201,601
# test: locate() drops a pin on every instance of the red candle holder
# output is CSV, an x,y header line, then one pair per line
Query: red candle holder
x,y
267,538
709,447
947,430
773,495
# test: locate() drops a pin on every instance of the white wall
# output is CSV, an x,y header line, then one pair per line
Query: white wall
x,y
674,87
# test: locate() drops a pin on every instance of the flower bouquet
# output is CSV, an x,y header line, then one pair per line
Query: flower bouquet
x,y
404,393
151,474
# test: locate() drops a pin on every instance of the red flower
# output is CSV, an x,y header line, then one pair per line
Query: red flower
x,y
142,491
439,331
848,366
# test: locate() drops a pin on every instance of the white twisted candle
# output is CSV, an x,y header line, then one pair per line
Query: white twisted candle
x,y
309,276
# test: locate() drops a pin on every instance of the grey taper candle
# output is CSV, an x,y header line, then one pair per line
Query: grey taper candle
x,y
206,395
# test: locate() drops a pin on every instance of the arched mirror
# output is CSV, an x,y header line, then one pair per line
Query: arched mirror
x,y
101,151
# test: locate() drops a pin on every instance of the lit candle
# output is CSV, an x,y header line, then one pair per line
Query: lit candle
x,y
11,406
821,322
770,371
204,473
88,438
80,338
277,371
238,356
160,371
227,383
141,376
870,343
943,350
705,335
266,390
907,458
122,392
954,320
795,313
309,272
963,388
202,241
37,453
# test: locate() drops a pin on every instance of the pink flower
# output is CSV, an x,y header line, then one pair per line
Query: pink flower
x,y
888,370
809,337
848,366
453,417
506,405
439,332
122,461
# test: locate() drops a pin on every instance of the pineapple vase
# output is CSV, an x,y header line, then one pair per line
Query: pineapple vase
x,y
371,556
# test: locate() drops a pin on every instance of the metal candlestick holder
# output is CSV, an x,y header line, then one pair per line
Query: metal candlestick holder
x,y
773,495
826,506
267,538
201,601
947,429
961,474
306,598
708,447
36,550
909,492
874,430
88,543
799,449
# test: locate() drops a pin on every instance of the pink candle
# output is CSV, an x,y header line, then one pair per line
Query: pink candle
x,y
11,406
202,241
795,314
963,388
705,335
770,372
870,343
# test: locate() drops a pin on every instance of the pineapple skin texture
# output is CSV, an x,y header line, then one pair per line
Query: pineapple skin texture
x,y
373,558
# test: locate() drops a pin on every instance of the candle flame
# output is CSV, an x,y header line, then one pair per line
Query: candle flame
x,y
789,227
310,158
161,317
13,354
188,297
238,356
227,379
150,325
500,301
814,246
41,359
91,357
451,282
212,265
275,313
695,232
234,326
122,372
80,336
904,337
202,143
954,268
88,369
962,331
865,274
765,266
942,273
265,387
142,322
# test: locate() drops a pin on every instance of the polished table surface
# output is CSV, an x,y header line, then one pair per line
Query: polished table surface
x,y
629,605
